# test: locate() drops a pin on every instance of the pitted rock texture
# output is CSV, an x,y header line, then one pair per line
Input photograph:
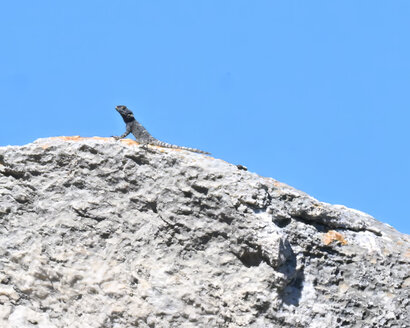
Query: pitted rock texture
x,y
102,233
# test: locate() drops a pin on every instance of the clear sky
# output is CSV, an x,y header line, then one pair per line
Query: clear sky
x,y
315,94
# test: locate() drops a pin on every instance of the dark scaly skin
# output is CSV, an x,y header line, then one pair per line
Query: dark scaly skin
x,y
141,134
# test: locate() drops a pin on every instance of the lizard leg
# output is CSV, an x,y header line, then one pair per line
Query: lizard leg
x,y
121,136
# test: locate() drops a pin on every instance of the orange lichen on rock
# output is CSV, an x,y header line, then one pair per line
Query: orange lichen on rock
x,y
129,142
78,138
100,138
72,138
278,184
332,236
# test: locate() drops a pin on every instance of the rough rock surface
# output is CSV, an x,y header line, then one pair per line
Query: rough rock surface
x,y
100,233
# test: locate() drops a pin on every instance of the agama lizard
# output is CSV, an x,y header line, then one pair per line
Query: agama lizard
x,y
141,134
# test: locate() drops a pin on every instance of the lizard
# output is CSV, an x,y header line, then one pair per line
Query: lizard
x,y
141,134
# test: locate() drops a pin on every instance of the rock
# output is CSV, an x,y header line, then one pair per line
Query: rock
x,y
102,233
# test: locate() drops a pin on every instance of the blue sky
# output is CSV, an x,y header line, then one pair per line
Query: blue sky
x,y
315,94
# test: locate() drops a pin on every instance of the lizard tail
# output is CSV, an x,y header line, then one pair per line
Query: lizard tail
x,y
167,145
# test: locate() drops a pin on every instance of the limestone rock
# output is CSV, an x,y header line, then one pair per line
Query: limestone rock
x,y
102,233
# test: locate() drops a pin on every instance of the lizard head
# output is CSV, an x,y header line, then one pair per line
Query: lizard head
x,y
126,114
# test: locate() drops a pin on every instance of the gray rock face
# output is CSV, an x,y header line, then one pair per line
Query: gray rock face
x,y
100,233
